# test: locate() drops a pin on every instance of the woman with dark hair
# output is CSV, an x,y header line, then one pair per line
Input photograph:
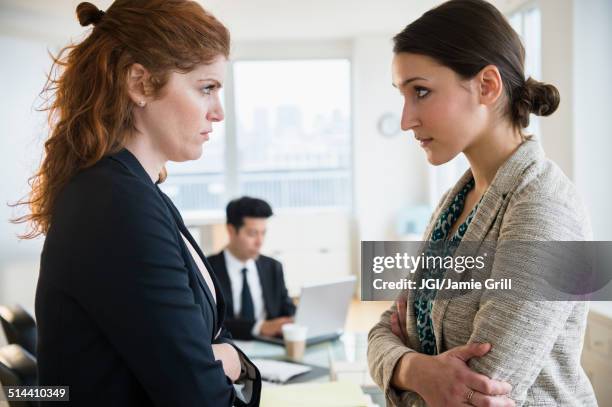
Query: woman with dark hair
x,y
129,312
460,70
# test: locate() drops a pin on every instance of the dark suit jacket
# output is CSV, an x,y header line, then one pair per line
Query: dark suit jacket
x,y
125,318
276,300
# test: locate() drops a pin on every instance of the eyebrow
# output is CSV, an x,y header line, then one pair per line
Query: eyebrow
x,y
407,81
216,82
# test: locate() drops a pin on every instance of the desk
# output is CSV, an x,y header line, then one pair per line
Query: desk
x,y
350,347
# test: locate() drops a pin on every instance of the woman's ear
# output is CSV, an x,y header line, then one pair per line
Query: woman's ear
x,y
490,85
138,84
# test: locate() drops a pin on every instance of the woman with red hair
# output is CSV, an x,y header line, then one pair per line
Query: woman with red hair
x,y
128,310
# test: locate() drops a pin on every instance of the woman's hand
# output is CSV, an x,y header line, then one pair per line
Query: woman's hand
x,y
229,358
446,380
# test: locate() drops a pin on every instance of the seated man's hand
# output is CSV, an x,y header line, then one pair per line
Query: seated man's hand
x,y
274,327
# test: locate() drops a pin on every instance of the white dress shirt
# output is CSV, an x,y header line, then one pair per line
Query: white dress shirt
x,y
201,267
234,270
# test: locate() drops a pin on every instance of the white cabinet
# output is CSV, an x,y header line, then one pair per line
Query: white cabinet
x,y
314,247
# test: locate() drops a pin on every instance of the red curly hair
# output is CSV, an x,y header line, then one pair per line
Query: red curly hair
x,y
90,111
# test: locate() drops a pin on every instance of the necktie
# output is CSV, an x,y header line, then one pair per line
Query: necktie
x,y
248,310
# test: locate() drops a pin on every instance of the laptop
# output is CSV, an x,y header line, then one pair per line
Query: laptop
x,y
323,309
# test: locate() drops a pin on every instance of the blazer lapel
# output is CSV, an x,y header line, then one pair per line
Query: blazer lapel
x,y
131,162
439,306
505,181
183,229
221,307
411,330
470,243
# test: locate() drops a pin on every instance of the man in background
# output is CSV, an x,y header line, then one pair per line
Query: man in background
x,y
253,284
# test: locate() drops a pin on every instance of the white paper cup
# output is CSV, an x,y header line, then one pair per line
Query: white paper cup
x,y
295,341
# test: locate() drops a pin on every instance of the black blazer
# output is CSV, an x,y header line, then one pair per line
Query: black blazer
x,y
276,300
125,318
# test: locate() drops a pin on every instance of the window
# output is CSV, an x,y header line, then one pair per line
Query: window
x,y
527,23
286,138
293,131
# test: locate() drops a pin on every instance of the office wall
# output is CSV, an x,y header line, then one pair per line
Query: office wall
x,y
557,69
577,58
21,130
592,110
389,173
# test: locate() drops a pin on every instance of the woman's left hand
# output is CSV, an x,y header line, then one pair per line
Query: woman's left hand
x,y
229,357
476,398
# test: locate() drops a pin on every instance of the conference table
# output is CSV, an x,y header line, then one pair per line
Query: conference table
x,y
346,356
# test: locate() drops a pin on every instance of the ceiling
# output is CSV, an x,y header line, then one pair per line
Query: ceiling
x,y
246,19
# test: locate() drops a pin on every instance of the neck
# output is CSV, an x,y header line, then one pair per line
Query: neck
x,y
150,159
489,152
236,253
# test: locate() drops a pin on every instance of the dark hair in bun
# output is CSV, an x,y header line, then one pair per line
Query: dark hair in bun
x,y
534,97
88,13
466,36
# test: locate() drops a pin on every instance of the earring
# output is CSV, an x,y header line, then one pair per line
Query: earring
x,y
142,103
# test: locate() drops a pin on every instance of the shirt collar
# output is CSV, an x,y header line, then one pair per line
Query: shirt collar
x,y
235,265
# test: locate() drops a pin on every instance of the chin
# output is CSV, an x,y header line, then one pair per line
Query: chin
x,y
194,154
439,159
186,154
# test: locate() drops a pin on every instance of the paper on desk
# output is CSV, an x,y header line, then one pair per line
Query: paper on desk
x,y
352,372
259,350
327,394
278,371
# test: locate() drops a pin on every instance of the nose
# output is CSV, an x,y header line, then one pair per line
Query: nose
x,y
215,112
409,117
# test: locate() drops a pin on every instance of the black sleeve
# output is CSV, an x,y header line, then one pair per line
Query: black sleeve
x,y
240,328
250,378
137,290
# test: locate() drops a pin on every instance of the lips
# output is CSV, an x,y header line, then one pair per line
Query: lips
x,y
423,141
205,134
